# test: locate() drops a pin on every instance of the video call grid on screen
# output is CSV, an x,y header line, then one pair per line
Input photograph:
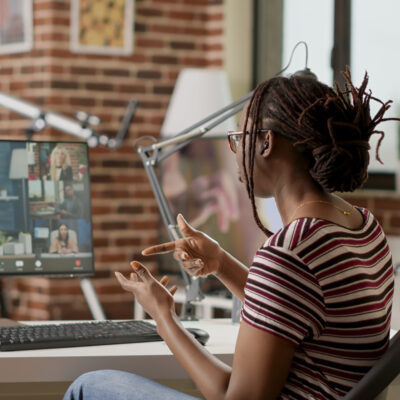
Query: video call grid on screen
x,y
45,209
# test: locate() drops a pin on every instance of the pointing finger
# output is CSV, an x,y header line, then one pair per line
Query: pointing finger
x,y
159,249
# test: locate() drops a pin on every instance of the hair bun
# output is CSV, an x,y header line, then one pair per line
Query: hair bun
x,y
341,167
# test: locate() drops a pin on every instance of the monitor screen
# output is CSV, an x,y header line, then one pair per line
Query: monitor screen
x,y
45,209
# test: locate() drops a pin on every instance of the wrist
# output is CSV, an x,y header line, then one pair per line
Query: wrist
x,y
165,322
221,263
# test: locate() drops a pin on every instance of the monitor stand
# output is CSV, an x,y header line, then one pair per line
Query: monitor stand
x,y
92,300
90,296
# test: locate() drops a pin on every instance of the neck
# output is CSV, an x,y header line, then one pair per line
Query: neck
x,y
293,192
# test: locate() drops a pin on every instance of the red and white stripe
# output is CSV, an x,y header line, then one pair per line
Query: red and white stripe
x,y
328,291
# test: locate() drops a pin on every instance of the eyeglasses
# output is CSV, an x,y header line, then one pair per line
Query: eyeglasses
x,y
234,138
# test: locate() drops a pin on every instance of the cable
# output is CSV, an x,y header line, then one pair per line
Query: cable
x,y
306,72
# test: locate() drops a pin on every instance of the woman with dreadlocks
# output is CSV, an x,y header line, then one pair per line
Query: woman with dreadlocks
x,y
317,297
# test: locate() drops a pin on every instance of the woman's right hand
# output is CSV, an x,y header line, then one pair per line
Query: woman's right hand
x,y
199,254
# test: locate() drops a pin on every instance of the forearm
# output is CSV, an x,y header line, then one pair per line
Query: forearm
x,y
233,274
53,247
210,375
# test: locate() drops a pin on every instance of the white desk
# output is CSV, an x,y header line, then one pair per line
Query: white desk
x,y
152,360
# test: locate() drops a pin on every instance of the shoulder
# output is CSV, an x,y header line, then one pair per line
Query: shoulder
x,y
291,235
303,232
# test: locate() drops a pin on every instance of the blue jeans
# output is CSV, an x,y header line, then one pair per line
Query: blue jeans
x,y
120,385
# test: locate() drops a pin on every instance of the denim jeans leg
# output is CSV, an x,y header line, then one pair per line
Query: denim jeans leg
x,y
120,385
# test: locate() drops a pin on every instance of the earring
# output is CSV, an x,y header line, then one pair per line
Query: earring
x,y
266,146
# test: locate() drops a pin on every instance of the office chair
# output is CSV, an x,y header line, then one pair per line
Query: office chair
x,y
380,375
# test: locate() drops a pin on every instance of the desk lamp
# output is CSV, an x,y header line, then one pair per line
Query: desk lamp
x,y
151,155
19,171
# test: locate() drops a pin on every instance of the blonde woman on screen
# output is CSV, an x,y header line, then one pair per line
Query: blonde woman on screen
x,y
60,165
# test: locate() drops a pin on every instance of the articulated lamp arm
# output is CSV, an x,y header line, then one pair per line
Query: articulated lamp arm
x,y
153,154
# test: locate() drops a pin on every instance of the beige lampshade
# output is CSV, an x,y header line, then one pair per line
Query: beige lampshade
x,y
198,93
19,164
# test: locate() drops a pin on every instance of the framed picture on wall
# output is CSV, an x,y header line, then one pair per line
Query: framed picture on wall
x,y
16,26
102,26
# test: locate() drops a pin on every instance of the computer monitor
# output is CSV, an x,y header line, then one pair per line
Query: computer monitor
x,y
45,209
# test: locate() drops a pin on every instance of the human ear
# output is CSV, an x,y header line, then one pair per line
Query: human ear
x,y
266,146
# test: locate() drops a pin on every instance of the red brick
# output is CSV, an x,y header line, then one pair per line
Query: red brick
x,y
387,204
165,60
101,209
82,101
195,31
55,36
163,89
5,71
37,84
112,226
149,12
149,74
178,45
131,89
150,104
395,222
101,178
144,225
130,209
197,62
153,43
111,194
127,241
114,103
101,242
18,85
83,70
112,257
102,87
140,27
28,69
58,69
63,84
116,72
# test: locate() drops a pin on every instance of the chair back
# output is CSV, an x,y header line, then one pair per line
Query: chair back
x,y
378,378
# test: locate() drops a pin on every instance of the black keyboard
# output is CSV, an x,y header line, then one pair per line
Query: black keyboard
x,y
26,337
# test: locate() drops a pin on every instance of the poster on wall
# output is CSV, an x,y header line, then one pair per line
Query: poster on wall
x,y
102,26
16,26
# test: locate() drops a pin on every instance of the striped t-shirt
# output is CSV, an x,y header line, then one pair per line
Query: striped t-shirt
x,y
328,291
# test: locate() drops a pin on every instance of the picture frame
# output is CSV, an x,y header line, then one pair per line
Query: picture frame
x,y
102,27
16,26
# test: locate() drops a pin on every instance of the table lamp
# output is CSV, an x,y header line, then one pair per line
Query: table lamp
x,y
198,93
200,103
19,170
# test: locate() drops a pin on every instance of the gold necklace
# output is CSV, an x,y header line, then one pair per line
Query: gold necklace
x,y
344,212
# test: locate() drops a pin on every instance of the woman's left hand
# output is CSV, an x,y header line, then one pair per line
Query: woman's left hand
x,y
152,294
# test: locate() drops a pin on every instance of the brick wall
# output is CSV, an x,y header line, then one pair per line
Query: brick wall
x,y
169,35
385,206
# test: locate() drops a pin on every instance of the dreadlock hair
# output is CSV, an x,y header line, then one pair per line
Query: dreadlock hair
x,y
331,128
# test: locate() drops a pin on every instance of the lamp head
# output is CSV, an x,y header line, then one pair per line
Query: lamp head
x,y
306,73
